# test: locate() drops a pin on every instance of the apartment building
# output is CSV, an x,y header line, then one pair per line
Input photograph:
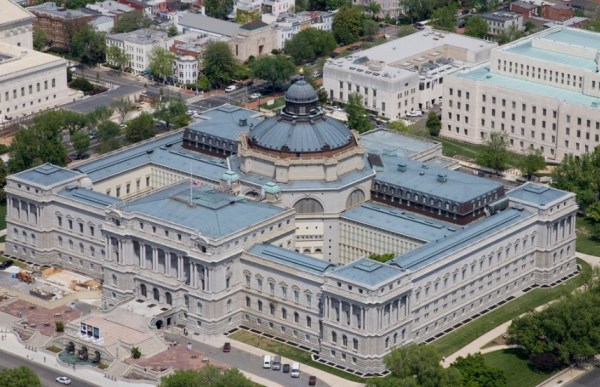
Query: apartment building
x,y
138,46
543,91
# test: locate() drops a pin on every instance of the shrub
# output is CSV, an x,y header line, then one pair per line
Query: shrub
x,y
60,326
136,353
544,362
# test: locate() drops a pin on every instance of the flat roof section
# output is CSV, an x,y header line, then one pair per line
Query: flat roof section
x,y
12,12
553,57
575,37
400,222
224,121
379,141
89,197
46,175
21,59
212,213
539,194
482,74
291,258
366,272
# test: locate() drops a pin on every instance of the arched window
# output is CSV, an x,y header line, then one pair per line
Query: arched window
x,y
355,344
284,313
345,340
356,197
248,302
387,342
296,317
260,306
156,294
199,307
395,338
143,290
308,321
114,279
272,309
334,336
169,298
308,206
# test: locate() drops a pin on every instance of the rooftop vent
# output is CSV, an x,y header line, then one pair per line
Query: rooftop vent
x,y
402,167
243,121
442,177
424,166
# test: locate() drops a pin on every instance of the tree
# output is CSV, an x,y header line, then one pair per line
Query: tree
x,y
100,114
382,257
172,30
60,326
300,5
82,84
207,376
117,56
309,44
476,373
533,162
373,8
358,118
140,128
580,175
476,27
40,38
495,152
108,134
510,34
171,110
131,21
419,365
41,142
219,64
370,28
347,24
444,18
19,377
218,8
3,174
161,62
399,126
136,353
123,106
433,123
273,68
81,142
73,121
88,45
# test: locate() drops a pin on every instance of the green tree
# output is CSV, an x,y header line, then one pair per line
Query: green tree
x,y
495,152
273,68
123,106
208,376
476,373
533,162
581,175
88,45
40,38
242,16
510,34
41,142
420,9
382,257
219,64
370,28
358,118
136,353
399,126
373,8
347,24
218,8
161,62
172,30
81,142
108,134
171,110
444,18
140,128
100,114
309,44
73,122
131,21
476,27
419,365
117,56
300,5
82,84
19,377
60,326
433,123
3,174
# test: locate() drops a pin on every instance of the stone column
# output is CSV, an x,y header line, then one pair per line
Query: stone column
x,y
340,309
351,322
192,274
155,259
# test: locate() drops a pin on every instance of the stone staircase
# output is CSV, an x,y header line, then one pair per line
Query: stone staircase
x,y
118,369
39,340
152,346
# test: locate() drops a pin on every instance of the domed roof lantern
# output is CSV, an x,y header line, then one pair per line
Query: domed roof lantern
x,y
301,98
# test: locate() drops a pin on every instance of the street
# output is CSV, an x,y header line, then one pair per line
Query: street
x,y
46,374
589,379
245,362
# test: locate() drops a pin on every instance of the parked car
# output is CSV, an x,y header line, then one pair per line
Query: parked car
x,y
255,96
337,108
414,113
6,264
334,54
285,369
227,347
312,380
231,88
63,380
79,156
354,48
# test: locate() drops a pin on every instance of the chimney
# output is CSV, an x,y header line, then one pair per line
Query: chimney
x,y
442,177
402,167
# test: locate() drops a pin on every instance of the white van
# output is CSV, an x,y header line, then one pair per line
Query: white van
x,y
295,373
276,363
267,361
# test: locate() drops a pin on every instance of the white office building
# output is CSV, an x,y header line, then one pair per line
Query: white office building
x,y
16,25
543,91
138,46
186,69
500,22
404,74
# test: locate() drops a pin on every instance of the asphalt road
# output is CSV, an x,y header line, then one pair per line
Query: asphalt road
x,y
46,374
246,362
239,95
590,379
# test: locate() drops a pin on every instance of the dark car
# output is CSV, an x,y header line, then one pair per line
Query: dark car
x,y
6,264
227,347
312,380
354,48
285,369
334,54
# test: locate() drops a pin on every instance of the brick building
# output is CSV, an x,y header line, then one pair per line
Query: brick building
x,y
58,23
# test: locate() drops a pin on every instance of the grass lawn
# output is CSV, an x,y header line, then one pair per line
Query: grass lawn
x,y
16,263
513,362
289,352
279,102
453,341
585,243
2,216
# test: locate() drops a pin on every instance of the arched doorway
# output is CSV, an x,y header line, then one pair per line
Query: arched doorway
x,y
159,324
143,290
156,294
169,298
